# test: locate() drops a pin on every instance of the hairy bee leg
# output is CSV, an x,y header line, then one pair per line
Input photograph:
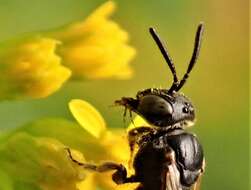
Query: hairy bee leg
x,y
107,166
119,176
130,114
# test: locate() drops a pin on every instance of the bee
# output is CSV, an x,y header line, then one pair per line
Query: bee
x,y
168,157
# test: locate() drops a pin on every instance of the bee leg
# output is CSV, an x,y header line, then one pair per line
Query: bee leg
x,y
130,114
119,176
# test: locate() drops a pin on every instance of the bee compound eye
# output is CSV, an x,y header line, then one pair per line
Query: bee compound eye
x,y
166,107
152,104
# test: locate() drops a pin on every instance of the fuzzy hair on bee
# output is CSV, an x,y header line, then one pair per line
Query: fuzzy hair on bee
x,y
167,157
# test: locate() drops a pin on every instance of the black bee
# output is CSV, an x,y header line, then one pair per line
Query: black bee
x,y
168,157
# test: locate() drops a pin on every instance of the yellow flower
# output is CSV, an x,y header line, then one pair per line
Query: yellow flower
x,y
35,155
31,68
96,47
115,144
40,162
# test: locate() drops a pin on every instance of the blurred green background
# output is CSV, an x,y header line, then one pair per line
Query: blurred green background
x,y
218,85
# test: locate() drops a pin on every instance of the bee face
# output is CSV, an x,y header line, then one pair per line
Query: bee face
x,y
184,110
163,111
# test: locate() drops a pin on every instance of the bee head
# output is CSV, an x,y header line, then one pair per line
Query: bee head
x,y
165,110
162,107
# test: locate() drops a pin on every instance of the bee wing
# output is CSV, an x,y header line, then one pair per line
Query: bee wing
x,y
172,178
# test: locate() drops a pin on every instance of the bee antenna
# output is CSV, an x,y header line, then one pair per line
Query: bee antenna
x,y
166,56
197,43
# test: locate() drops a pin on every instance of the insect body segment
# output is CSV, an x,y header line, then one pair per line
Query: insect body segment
x,y
168,157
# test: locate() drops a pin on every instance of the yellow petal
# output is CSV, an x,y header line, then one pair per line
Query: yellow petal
x,y
127,186
138,121
104,180
40,161
88,117
78,30
97,47
88,183
117,146
31,68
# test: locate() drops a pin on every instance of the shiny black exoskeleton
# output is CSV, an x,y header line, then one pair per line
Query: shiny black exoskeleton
x,y
167,157
152,160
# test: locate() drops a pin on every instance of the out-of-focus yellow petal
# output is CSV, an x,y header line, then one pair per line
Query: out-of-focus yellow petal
x,y
87,184
127,186
104,180
88,117
40,161
96,47
117,146
138,121
77,29
31,68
